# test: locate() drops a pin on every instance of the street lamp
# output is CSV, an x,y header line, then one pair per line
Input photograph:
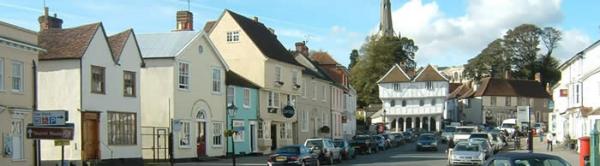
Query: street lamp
x,y
384,124
231,111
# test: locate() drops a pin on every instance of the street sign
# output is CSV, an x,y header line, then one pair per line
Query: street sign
x,y
50,118
50,132
61,142
288,111
550,105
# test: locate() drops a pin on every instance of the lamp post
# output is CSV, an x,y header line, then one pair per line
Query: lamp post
x,y
384,124
231,111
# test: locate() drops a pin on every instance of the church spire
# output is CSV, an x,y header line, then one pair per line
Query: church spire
x,y
385,24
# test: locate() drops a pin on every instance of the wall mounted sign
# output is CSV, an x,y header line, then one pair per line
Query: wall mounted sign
x,y
288,111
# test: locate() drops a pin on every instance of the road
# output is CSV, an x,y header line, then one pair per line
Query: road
x,y
405,155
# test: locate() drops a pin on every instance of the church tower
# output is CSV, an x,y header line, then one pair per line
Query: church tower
x,y
385,24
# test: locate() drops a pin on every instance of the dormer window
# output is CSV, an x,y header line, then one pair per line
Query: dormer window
x,y
233,36
429,85
396,87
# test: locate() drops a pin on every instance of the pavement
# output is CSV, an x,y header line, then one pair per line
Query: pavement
x,y
570,156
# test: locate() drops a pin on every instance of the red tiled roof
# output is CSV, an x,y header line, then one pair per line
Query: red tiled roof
x,y
68,43
117,43
430,74
323,58
396,74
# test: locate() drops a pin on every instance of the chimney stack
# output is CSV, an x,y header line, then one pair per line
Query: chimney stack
x,y
302,48
185,21
255,18
508,74
538,77
48,22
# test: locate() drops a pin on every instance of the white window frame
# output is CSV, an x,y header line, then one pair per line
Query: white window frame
x,y
304,89
230,95
217,134
396,86
429,85
16,136
295,77
183,74
493,100
324,93
247,98
233,36
185,127
18,75
278,73
315,89
216,82
273,101
305,121
2,74
239,136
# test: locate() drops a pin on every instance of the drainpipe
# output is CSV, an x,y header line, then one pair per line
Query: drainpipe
x,y
36,142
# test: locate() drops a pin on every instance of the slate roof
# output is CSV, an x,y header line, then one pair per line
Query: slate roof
x,y
503,87
233,78
430,74
117,43
164,45
67,43
262,37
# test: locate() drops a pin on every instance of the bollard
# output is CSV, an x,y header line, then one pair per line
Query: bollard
x,y
595,148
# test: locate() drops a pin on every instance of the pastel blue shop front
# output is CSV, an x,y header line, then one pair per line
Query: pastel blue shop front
x,y
244,96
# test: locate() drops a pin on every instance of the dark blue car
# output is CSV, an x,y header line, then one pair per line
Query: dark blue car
x,y
293,155
518,159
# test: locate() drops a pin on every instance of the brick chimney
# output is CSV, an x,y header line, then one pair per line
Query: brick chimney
x,y
185,21
302,48
48,22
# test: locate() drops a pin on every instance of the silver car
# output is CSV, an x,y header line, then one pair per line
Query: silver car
x,y
325,148
485,145
466,153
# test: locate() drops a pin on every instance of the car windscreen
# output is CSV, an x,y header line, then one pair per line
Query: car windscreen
x,y
508,125
362,137
450,129
479,136
464,130
338,143
288,150
317,143
466,147
426,137
540,161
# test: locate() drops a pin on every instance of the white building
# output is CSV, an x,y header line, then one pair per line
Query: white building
x,y
96,79
349,115
184,92
576,109
412,101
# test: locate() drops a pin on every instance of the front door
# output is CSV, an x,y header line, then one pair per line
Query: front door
x,y
91,141
273,136
201,140
252,138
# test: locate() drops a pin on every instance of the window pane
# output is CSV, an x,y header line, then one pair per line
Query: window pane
x,y
122,128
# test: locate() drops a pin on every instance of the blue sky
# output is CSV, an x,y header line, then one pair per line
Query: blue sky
x,y
448,32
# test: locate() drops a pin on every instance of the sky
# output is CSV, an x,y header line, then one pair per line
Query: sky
x,y
447,32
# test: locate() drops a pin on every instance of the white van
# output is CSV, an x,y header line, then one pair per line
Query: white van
x,y
508,125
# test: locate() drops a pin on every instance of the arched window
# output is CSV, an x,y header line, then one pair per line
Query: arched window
x,y
201,115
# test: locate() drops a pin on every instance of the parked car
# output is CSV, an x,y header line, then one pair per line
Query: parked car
x,y
381,145
364,144
293,155
508,125
325,149
448,133
427,141
398,139
347,151
486,136
463,133
466,153
518,159
485,145
408,136
497,142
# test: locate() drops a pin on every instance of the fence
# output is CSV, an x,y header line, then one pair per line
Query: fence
x,y
155,143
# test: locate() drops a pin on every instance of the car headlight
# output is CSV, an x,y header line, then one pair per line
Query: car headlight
x,y
434,143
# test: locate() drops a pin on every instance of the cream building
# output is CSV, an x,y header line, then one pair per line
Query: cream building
x,y
184,92
252,50
96,79
18,59
314,108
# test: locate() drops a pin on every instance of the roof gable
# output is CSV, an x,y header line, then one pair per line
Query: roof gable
x,y
395,74
70,43
164,45
430,74
117,43
263,38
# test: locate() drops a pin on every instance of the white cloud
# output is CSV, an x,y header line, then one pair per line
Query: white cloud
x,y
445,40
573,41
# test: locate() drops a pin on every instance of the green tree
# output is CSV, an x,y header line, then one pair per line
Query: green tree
x,y
353,58
548,65
522,44
380,54
492,61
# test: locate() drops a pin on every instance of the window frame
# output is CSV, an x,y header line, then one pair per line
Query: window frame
x,y
396,86
273,96
429,85
126,122
404,103
103,79
508,101
217,135
20,76
185,75
232,36
433,102
133,84
247,98
239,136
278,73
182,133
493,100
230,96
216,87
392,103
295,77
421,102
